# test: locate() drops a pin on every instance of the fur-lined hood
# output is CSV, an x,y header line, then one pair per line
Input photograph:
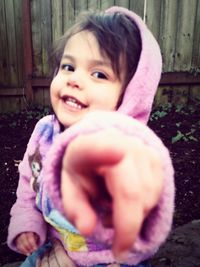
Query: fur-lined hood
x,y
140,92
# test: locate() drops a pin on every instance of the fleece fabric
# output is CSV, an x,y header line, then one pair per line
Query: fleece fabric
x,y
42,211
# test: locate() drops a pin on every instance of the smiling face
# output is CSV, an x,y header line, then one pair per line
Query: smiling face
x,y
85,81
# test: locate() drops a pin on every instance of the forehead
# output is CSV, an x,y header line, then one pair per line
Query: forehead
x,y
83,42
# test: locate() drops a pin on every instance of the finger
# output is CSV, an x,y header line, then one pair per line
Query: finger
x,y
71,193
22,244
61,256
125,189
32,241
94,150
84,156
135,202
128,217
150,177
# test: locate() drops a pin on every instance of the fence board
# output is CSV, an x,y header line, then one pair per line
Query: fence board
x,y
185,30
46,32
38,96
68,14
153,11
180,95
80,6
195,65
12,104
137,7
94,4
7,91
174,23
46,97
194,93
11,39
36,37
57,19
4,78
163,95
106,4
41,96
123,3
18,43
167,38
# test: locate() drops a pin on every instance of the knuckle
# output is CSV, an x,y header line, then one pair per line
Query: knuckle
x,y
130,193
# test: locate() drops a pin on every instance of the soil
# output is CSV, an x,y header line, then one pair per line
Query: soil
x,y
178,127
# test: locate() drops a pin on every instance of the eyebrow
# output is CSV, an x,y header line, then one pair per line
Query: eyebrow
x,y
91,61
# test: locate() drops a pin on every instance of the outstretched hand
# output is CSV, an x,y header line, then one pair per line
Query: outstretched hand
x,y
111,168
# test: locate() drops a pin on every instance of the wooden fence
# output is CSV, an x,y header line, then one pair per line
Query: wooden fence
x,y
29,28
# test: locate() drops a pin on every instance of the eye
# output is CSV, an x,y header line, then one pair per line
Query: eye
x,y
99,75
67,67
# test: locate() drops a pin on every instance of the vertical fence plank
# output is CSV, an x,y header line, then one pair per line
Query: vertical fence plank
x,y
57,19
180,95
46,97
137,7
195,65
185,30
38,96
94,4
68,13
19,47
80,5
11,40
123,3
168,29
28,51
194,93
106,4
163,95
36,37
153,16
4,78
46,35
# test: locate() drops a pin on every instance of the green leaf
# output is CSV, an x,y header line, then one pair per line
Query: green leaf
x,y
178,137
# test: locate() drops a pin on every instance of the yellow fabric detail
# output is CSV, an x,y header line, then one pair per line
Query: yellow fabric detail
x,y
72,241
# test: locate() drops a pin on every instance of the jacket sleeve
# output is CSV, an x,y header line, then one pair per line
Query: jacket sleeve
x,y
25,217
158,224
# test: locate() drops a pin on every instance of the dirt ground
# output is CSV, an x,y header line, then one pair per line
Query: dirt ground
x,y
179,129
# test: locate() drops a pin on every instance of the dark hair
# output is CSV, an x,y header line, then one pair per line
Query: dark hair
x,y
116,34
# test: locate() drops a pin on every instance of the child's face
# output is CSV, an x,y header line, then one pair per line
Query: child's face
x,y
85,81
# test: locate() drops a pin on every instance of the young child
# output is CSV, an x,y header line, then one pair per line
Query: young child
x,y
94,175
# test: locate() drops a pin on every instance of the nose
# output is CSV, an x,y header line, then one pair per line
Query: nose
x,y
73,81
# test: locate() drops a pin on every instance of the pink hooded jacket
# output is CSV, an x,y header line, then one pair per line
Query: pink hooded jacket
x,y
42,212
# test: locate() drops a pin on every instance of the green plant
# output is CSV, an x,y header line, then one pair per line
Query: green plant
x,y
185,137
160,112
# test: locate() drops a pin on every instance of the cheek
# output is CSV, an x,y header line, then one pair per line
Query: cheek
x,y
57,83
54,88
107,101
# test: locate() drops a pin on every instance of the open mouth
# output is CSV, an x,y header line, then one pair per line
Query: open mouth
x,y
73,102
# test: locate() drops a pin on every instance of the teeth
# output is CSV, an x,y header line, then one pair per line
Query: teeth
x,y
73,103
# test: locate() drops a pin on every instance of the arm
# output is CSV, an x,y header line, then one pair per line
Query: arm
x,y
158,218
25,217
